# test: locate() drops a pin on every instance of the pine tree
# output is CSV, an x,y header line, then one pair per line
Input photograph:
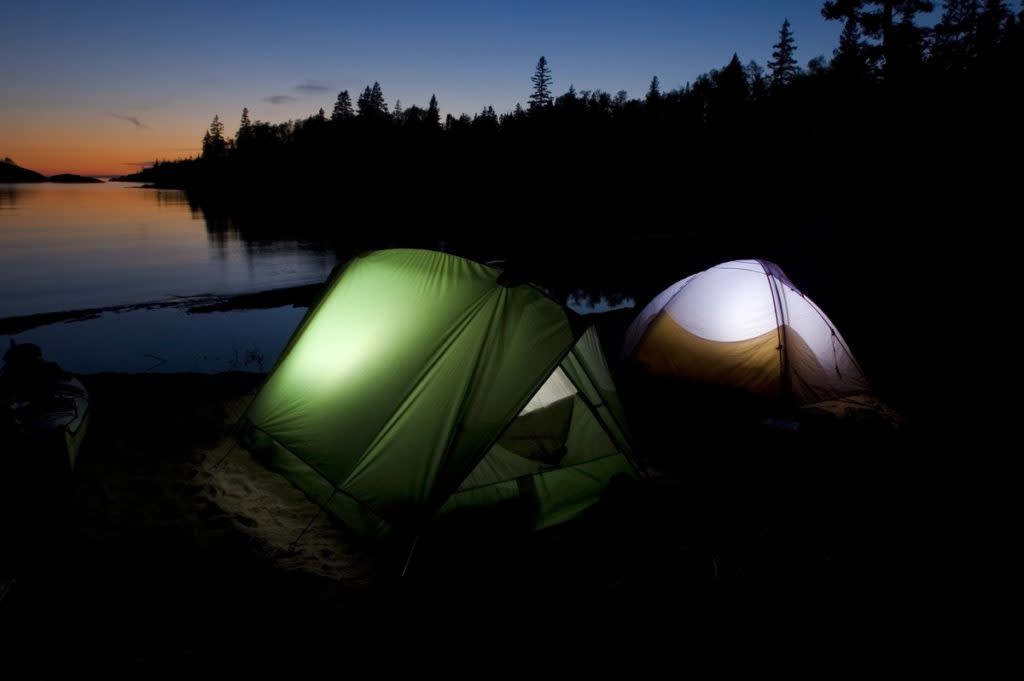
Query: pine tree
x,y
244,127
891,23
654,91
364,103
730,91
908,40
541,80
783,65
959,18
213,141
843,10
342,107
433,118
850,59
486,120
371,104
955,36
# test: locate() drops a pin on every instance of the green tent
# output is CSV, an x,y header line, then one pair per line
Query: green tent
x,y
422,383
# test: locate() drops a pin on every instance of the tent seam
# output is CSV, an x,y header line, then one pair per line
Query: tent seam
x,y
780,332
594,407
471,383
450,335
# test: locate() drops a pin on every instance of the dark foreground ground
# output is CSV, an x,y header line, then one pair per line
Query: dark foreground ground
x,y
148,562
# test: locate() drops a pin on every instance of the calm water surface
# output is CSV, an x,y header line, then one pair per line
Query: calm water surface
x,y
67,247
168,340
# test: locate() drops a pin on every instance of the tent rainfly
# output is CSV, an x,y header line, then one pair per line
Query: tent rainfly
x,y
744,324
422,383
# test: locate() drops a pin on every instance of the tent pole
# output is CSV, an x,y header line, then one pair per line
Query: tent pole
x,y
604,402
780,331
593,408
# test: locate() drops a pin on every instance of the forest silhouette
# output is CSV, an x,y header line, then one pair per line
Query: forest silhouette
x,y
739,146
871,165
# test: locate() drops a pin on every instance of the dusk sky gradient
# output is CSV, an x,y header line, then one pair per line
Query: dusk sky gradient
x,y
102,87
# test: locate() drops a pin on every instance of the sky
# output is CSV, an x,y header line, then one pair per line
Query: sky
x,y
103,87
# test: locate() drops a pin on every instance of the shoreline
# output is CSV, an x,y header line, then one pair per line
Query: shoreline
x,y
295,296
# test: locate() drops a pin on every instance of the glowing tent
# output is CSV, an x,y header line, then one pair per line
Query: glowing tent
x,y
424,383
744,324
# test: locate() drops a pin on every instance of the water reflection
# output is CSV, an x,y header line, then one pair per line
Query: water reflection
x,y
173,197
8,196
71,247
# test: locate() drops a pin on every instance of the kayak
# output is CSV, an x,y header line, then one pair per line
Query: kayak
x,y
45,409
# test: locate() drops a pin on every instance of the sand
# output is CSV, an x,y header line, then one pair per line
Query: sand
x,y
233,487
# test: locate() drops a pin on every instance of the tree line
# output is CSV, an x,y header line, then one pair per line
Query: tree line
x,y
881,42
898,119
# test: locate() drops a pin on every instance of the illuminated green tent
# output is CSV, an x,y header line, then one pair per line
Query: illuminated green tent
x,y
424,383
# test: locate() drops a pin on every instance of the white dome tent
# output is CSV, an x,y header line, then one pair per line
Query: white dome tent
x,y
744,324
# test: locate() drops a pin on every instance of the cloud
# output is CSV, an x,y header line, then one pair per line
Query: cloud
x,y
307,88
279,99
139,125
311,87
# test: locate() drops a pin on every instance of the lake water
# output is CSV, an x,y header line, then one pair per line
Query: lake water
x,y
74,247
168,340
69,247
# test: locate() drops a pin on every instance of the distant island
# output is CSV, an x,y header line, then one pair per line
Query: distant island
x,y
68,178
12,173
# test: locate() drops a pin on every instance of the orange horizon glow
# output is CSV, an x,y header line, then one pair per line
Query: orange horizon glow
x,y
102,150
95,142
